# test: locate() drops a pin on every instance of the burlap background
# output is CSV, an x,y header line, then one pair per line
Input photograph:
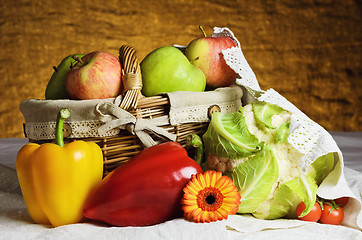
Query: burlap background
x,y
309,51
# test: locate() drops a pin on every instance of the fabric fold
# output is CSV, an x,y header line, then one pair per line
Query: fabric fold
x,y
115,117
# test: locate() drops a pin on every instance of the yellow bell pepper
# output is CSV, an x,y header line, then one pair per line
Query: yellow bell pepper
x,y
56,179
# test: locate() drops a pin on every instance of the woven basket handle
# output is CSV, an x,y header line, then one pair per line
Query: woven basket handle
x,y
131,77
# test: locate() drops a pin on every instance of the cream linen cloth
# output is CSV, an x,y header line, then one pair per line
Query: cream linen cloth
x,y
15,223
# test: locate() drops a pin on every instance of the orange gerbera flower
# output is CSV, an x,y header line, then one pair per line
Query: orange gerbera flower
x,y
209,197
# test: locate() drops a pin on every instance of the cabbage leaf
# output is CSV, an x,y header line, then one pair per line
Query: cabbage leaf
x,y
321,167
263,113
255,178
282,133
228,136
287,197
279,206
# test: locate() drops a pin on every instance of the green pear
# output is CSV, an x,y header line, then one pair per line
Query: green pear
x,y
56,85
167,69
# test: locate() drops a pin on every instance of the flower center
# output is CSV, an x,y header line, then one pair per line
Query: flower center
x,y
209,199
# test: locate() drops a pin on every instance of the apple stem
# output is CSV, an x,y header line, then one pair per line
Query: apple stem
x,y
202,30
78,59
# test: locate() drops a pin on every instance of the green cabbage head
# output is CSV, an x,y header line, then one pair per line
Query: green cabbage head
x,y
250,146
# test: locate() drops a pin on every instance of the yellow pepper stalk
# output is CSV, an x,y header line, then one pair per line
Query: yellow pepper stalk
x,y
56,179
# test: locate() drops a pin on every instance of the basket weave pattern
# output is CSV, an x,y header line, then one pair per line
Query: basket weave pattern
x,y
121,147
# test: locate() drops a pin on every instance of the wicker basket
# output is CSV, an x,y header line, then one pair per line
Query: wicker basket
x,y
119,148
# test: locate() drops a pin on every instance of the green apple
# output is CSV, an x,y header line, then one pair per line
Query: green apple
x,y
56,85
166,69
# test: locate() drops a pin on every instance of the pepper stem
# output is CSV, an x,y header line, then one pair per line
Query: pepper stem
x,y
62,115
194,141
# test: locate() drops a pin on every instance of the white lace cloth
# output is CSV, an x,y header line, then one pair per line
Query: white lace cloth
x,y
306,135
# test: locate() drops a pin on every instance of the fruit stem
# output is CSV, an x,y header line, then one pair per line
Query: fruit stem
x,y
78,59
62,115
202,30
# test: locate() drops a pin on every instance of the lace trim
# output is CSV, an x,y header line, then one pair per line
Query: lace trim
x,y
81,129
200,113
306,136
86,129
235,58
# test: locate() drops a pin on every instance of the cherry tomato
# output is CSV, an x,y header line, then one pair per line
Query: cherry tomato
x,y
313,216
342,202
331,214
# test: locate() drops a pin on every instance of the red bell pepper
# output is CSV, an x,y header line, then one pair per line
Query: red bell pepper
x,y
144,191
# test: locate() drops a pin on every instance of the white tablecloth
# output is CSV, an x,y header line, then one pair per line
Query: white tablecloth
x,y
15,222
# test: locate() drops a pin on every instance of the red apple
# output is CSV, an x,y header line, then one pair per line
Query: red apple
x,y
97,75
205,53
